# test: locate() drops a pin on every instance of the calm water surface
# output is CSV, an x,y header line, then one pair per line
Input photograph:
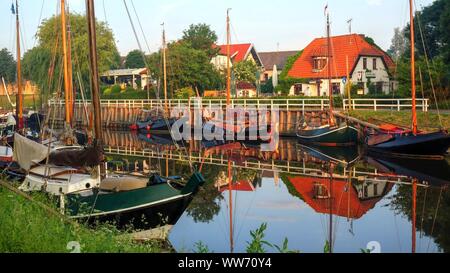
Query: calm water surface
x,y
309,195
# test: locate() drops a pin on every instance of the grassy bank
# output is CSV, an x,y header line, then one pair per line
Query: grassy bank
x,y
26,227
426,121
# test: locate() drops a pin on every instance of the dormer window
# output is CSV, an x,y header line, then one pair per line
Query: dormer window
x,y
319,63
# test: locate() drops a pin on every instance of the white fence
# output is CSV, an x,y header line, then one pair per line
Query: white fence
x,y
270,103
386,104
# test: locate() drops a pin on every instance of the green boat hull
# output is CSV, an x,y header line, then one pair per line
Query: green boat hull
x,y
106,204
341,136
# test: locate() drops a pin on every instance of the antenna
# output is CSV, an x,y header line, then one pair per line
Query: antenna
x,y
349,22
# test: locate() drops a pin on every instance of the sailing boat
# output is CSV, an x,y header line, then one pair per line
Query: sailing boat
x,y
80,189
393,141
327,132
158,125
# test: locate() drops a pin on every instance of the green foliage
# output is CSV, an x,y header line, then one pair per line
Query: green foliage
x,y
288,66
267,87
184,93
257,244
186,67
116,89
201,248
37,62
327,247
245,71
107,92
135,59
7,66
201,37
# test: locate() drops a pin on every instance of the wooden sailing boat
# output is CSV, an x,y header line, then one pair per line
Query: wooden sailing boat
x,y
122,194
328,133
158,125
393,141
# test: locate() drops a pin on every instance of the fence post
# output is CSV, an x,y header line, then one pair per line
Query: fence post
x,y
321,104
398,106
375,105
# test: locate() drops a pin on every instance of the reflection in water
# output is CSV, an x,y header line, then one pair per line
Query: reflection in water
x,y
311,195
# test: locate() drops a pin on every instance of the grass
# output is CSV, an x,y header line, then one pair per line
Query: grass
x,y
426,121
25,227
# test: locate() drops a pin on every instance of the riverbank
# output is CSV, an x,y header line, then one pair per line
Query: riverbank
x,y
26,227
427,121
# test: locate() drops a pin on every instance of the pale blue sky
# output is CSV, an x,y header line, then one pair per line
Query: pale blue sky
x,y
291,23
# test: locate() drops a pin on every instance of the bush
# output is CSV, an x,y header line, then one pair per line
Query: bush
x,y
107,92
116,89
184,93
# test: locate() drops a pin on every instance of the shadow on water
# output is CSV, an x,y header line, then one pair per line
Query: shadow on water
x,y
311,195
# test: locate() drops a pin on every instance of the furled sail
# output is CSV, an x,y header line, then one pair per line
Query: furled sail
x,y
91,156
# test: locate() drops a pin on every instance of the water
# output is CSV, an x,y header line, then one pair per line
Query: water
x,y
308,195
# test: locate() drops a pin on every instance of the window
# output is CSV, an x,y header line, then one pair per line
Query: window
x,y
374,63
319,63
379,87
266,76
364,63
336,87
298,89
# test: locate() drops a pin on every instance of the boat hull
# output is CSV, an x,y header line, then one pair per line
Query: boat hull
x,y
431,146
330,136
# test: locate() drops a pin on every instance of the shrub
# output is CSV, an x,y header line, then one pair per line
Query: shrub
x,y
116,89
107,92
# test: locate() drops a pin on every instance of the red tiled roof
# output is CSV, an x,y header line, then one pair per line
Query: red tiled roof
x,y
343,203
245,85
238,52
353,46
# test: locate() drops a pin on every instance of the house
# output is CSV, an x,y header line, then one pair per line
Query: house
x,y
269,59
28,88
213,93
136,78
369,67
238,53
245,90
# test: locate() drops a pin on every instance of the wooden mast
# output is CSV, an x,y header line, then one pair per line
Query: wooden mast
x,y
413,69
330,86
228,60
413,216
330,229
67,90
166,107
19,98
94,71
69,64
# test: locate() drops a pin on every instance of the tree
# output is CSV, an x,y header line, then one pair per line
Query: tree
x,y
135,59
399,44
201,37
47,55
245,71
7,65
186,67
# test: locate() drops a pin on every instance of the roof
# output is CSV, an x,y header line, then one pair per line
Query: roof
x,y
123,72
354,46
240,52
269,59
245,85
343,203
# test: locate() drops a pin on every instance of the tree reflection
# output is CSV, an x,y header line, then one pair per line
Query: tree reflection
x,y
433,212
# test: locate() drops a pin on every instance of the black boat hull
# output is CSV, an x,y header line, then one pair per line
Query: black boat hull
x,y
431,146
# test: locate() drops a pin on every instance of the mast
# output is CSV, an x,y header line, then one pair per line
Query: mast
x,y
330,229
413,216
330,91
230,202
19,98
228,60
69,63
413,69
166,107
94,71
67,90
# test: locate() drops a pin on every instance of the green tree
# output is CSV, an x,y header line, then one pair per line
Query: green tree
x,y
201,37
7,65
245,71
186,67
135,59
399,44
47,55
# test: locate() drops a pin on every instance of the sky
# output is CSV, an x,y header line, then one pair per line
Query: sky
x,y
269,25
